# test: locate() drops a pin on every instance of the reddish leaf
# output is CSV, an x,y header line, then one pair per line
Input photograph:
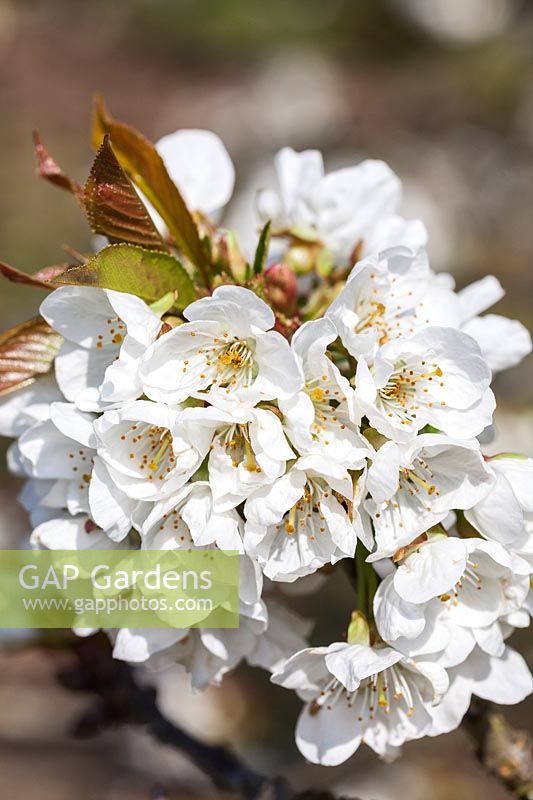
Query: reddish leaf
x,y
26,351
41,278
146,169
48,169
113,207
49,274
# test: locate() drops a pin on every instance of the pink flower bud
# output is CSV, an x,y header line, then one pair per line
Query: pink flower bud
x,y
281,286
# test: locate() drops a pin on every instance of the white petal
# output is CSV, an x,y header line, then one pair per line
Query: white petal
x,y
506,680
279,375
228,300
72,533
298,174
519,472
498,515
395,616
490,639
138,644
20,409
73,423
503,342
80,373
339,526
284,636
382,479
141,322
352,202
269,503
479,296
329,736
110,508
355,662
200,166
78,313
50,454
431,571
305,671
448,714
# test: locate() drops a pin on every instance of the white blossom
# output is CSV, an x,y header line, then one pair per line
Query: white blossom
x,y
338,426
505,680
248,449
436,377
501,514
303,520
227,347
460,588
414,485
504,342
355,693
146,456
317,418
347,208
382,299
106,333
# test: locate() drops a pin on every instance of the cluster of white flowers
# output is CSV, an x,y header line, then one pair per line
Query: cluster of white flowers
x,y
355,434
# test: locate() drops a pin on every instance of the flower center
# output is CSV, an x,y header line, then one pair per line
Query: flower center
x,y
114,333
379,693
372,315
150,450
81,461
236,440
234,364
305,515
407,387
419,481
325,399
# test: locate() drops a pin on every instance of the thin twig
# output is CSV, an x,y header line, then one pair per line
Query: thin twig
x,y
121,701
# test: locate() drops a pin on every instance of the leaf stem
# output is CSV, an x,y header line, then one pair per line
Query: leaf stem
x,y
360,566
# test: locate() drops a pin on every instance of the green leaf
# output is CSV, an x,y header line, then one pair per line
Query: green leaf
x,y
146,169
262,249
113,207
127,268
26,351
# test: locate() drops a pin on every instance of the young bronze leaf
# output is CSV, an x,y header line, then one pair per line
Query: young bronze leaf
x,y
41,279
113,207
48,169
145,167
127,268
26,352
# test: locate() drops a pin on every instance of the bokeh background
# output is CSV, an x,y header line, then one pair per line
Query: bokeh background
x,y
442,90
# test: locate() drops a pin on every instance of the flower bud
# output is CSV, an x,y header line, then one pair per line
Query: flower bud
x,y
358,630
281,287
301,258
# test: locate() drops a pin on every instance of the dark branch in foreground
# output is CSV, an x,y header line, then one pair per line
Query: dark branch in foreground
x,y
122,701
505,752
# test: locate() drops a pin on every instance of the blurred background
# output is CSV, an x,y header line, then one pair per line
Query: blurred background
x,y
443,91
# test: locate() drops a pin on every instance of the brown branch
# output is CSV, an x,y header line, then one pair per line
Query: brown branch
x,y
504,752
121,701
